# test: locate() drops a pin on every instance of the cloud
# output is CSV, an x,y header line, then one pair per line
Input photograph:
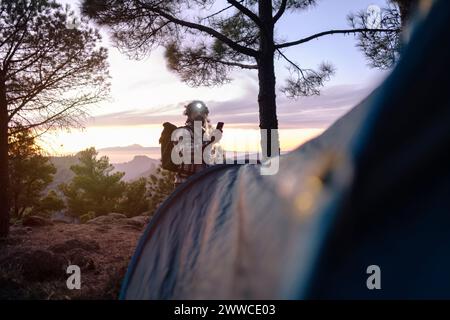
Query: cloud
x,y
307,112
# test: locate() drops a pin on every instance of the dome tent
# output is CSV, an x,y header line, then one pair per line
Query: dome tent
x,y
371,190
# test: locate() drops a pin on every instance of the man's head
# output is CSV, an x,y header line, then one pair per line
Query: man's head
x,y
196,111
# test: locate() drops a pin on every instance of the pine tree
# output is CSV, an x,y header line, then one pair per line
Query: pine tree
x,y
30,172
204,42
94,188
161,185
135,199
51,69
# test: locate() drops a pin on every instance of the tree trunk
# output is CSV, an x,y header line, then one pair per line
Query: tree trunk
x,y
4,176
266,76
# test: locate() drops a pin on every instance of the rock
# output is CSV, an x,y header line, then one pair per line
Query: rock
x,y
130,227
101,220
81,258
131,222
66,246
143,220
102,229
39,265
59,221
36,221
18,230
137,222
116,215
108,219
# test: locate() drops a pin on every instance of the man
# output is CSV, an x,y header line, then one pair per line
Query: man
x,y
197,126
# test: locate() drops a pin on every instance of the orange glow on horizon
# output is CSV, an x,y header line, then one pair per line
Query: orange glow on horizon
x,y
234,139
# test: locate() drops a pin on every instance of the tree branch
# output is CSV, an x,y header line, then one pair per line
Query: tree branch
x,y
292,63
208,30
234,64
246,11
330,32
12,50
45,84
216,13
280,11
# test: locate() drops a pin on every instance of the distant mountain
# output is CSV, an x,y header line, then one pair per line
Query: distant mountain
x,y
126,154
140,166
134,147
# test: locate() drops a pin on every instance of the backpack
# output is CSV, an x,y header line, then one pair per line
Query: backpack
x,y
166,147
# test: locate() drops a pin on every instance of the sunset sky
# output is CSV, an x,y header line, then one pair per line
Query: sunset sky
x,y
145,94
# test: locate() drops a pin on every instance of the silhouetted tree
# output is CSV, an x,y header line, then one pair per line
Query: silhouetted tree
x,y
50,69
383,49
30,172
204,43
135,199
94,188
161,185
49,204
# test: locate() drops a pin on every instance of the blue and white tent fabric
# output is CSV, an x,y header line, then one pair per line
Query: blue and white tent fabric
x,y
374,189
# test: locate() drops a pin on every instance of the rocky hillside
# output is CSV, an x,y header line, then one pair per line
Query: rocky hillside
x,y
140,166
34,259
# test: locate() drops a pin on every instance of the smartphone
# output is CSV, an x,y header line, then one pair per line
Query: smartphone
x,y
219,126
